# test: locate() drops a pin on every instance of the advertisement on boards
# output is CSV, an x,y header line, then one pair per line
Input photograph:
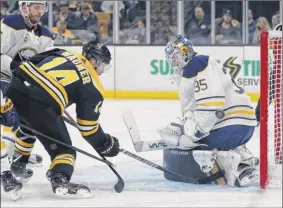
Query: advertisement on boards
x,y
150,71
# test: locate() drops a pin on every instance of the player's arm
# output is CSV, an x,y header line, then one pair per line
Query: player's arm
x,y
88,113
7,40
47,40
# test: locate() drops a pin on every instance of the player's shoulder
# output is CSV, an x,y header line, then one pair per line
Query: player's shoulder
x,y
198,64
46,32
15,22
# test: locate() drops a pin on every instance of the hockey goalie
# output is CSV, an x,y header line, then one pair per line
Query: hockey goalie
x,y
208,142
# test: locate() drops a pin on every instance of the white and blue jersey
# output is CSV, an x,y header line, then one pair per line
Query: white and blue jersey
x,y
212,97
18,38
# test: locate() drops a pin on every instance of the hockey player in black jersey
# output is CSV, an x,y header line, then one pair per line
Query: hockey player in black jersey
x,y
42,88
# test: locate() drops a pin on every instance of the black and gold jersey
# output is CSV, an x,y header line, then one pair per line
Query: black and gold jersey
x,y
68,78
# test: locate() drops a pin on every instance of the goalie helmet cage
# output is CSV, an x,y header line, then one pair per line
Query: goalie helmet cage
x,y
271,92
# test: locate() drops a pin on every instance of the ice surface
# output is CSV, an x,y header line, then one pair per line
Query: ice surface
x,y
145,186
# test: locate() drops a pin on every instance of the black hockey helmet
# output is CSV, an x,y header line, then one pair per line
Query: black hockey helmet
x,y
98,51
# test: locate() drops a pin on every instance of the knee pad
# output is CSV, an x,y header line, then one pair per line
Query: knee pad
x,y
194,164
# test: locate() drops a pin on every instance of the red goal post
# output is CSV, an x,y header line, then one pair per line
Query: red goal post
x,y
271,93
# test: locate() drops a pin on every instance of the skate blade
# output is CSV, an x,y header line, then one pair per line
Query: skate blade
x,y
14,195
34,165
81,194
249,181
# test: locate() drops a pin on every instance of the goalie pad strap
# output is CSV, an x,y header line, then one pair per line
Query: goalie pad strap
x,y
216,178
216,175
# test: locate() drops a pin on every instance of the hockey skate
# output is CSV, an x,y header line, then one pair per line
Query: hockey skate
x,y
63,188
10,185
248,174
19,170
35,160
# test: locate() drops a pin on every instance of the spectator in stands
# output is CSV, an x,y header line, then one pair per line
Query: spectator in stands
x,y
65,14
87,19
275,19
227,29
61,34
4,9
262,24
160,32
198,29
141,32
108,6
252,25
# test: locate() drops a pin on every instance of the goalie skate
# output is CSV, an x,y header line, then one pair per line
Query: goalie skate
x,y
10,185
63,188
248,176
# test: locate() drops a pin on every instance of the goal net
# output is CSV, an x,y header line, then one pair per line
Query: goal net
x,y
271,93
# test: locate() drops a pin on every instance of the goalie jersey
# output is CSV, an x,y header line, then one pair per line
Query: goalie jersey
x,y
212,96
18,38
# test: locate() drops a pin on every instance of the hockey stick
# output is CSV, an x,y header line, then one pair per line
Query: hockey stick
x,y
64,144
158,167
119,186
154,165
139,144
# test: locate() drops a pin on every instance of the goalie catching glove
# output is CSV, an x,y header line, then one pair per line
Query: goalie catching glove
x,y
183,134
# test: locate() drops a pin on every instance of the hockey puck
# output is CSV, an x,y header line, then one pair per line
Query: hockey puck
x,y
220,114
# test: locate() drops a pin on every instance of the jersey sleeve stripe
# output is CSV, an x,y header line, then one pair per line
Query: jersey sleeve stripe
x,y
244,112
236,117
212,97
86,122
211,104
41,81
239,106
88,133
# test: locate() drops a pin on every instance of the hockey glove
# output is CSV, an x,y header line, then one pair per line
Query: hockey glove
x,y
110,147
174,134
9,116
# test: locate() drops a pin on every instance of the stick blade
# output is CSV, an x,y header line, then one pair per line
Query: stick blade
x,y
119,186
133,130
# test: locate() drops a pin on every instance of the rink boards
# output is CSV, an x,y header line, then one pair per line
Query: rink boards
x,y
143,72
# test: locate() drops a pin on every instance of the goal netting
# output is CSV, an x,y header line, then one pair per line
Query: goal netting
x,y
271,93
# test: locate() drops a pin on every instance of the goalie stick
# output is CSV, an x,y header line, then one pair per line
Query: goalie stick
x,y
119,186
139,144
185,179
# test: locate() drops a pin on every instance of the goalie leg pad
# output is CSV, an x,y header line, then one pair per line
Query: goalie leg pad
x,y
197,165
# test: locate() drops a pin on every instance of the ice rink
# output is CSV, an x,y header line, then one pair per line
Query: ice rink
x,y
144,186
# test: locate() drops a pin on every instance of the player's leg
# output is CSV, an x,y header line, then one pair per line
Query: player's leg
x,y
10,185
43,118
234,138
229,137
10,137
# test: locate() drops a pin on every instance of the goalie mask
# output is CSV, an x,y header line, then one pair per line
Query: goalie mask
x,y
179,51
32,11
